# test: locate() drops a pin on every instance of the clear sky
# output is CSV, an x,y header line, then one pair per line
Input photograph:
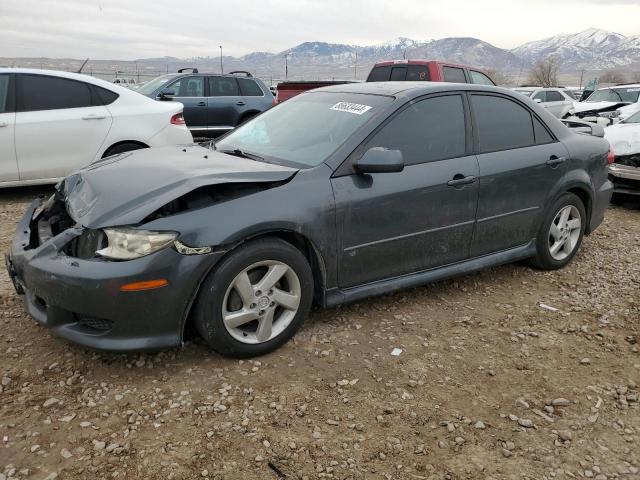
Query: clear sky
x,y
129,29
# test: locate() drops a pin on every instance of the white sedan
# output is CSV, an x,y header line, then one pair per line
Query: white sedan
x,y
52,123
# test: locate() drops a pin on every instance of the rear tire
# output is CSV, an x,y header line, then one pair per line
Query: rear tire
x,y
121,148
561,232
255,300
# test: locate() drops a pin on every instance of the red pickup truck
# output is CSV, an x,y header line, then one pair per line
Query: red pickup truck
x,y
428,71
286,90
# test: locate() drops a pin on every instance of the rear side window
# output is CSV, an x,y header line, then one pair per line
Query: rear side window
x,y
453,74
541,133
104,96
380,74
4,93
418,73
398,73
553,96
223,87
250,88
42,92
502,124
432,129
188,87
480,78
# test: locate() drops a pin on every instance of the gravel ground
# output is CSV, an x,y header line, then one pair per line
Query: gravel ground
x,y
489,384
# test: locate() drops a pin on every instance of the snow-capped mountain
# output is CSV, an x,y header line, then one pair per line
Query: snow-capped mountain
x,y
592,48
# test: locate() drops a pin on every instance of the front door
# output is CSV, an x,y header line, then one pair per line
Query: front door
x,y
8,163
392,224
58,129
520,162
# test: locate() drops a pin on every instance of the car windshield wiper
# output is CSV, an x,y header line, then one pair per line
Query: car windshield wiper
x,y
236,152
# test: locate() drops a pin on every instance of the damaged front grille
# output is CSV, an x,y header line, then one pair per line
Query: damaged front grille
x,y
629,160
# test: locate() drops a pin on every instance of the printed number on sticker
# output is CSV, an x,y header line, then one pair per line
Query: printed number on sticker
x,y
351,107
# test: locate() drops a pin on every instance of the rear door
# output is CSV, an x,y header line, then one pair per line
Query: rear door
x,y
59,127
225,103
520,162
453,74
392,224
8,163
190,91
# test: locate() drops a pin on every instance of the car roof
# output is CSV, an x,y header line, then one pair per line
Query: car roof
x,y
423,62
70,75
619,87
409,89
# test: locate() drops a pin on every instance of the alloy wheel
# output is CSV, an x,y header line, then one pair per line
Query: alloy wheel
x,y
261,302
564,232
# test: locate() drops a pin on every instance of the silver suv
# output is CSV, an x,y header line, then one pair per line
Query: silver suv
x,y
556,100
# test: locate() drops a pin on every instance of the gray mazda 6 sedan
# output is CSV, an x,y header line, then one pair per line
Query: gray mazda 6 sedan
x,y
333,196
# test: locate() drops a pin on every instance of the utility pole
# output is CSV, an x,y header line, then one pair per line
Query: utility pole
x,y
355,67
286,65
581,76
221,70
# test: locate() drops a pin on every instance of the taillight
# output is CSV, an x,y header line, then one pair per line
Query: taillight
x,y
610,157
275,101
177,119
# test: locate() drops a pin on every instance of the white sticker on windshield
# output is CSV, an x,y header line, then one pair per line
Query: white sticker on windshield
x,y
351,107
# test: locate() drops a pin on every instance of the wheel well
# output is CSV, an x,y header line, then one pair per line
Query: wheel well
x,y
248,115
584,196
117,144
298,241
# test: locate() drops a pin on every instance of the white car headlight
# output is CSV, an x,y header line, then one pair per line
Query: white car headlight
x,y
129,243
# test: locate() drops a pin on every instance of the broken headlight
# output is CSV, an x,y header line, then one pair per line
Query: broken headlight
x,y
130,243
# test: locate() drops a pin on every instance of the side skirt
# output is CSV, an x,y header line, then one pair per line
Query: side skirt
x,y
338,296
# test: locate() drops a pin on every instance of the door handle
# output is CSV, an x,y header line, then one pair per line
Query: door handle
x,y
240,104
458,180
554,161
94,117
4,124
202,104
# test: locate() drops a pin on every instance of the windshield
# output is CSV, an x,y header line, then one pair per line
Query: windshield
x,y
525,92
635,118
151,86
306,129
615,95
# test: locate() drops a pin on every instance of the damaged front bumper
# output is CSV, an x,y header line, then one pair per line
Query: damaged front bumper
x,y
625,178
81,300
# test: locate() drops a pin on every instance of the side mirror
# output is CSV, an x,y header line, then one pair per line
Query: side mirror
x,y
166,94
537,100
380,160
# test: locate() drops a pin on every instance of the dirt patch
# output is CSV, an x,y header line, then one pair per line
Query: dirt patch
x,y
488,385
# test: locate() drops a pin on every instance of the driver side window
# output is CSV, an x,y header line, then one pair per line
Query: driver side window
x,y
188,87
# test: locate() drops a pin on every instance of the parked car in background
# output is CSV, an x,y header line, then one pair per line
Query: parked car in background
x,y
428,71
338,194
609,105
213,103
557,101
125,82
624,138
52,123
287,90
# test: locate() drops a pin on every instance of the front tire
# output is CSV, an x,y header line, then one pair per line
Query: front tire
x,y
255,300
561,233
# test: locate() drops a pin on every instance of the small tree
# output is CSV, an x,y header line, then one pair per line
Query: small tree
x,y
498,77
545,72
612,76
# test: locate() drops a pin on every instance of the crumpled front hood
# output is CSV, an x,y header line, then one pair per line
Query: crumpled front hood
x,y
624,138
597,106
125,189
